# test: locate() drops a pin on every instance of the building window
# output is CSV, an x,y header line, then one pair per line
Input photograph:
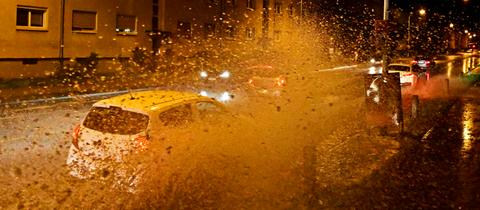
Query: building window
x,y
250,33
276,36
231,3
230,32
30,18
251,4
209,29
290,10
126,24
84,21
278,8
184,29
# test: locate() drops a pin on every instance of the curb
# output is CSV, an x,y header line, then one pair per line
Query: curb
x,y
84,97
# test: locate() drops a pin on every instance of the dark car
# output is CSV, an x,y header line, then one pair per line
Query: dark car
x,y
423,62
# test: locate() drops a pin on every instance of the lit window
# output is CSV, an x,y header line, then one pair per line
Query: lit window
x,y
126,24
250,33
30,18
84,21
251,4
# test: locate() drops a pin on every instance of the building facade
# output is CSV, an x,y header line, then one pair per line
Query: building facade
x,y
38,34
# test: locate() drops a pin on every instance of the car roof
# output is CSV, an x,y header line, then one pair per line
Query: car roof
x,y
400,64
147,101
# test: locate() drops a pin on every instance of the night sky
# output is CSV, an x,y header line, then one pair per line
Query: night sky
x,y
463,13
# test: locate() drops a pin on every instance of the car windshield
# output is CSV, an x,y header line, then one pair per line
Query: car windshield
x,y
115,120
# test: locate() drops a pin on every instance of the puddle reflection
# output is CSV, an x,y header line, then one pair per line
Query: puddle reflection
x,y
468,126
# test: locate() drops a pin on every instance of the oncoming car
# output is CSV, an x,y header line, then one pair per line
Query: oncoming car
x,y
409,75
117,127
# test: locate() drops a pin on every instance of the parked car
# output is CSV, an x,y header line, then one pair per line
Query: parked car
x,y
423,62
411,75
265,79
120,126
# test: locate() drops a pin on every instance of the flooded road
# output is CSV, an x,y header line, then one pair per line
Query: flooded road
x,y
309,148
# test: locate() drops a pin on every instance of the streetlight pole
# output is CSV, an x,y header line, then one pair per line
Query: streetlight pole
x,y
61,55
385,38
408,34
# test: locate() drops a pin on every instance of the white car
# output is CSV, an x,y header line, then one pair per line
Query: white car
x,y
117,127
409,75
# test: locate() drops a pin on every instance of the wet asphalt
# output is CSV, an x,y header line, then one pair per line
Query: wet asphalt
x,y
439,171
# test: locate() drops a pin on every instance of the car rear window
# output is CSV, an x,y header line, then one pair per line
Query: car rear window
x,y
398,68
115,120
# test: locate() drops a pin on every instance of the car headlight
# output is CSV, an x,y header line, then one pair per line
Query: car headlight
x,y
225,75
203,74
225,97
203,93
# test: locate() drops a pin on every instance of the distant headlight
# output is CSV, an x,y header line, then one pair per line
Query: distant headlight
x,y
203,74
225,74
225,97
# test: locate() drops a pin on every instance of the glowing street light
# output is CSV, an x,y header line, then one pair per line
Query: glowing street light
x,y
422,12
451,25
466,31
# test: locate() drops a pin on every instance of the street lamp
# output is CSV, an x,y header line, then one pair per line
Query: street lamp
x,y
451,25
422,12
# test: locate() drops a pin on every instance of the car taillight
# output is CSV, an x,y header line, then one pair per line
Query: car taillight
x,y
408,75
75,136
141,142
427,62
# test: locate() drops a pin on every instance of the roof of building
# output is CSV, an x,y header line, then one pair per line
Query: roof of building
x,y
147,101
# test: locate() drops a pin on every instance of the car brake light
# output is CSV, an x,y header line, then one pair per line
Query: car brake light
x,y
141,142
428,62
75,135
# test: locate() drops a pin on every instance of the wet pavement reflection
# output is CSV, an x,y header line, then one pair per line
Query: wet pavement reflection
x,y
440,172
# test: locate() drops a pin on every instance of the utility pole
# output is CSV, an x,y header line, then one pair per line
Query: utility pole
x,y
385,38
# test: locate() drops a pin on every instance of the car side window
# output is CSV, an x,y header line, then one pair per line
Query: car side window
x,y
176,116
208,109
